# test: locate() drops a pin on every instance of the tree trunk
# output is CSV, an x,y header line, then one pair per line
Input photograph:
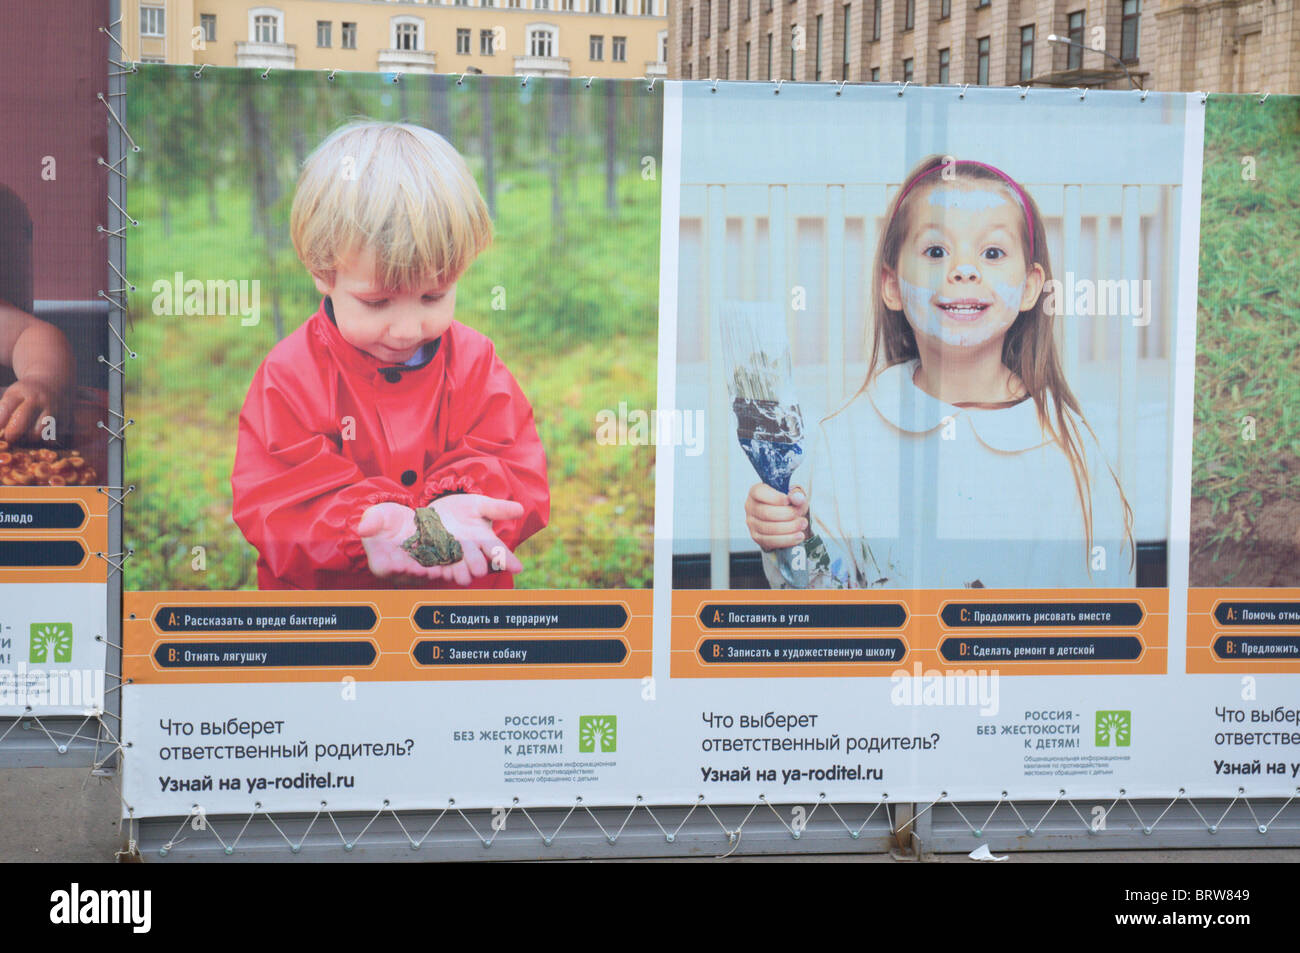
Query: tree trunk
x,y
611,144
266,191
489,160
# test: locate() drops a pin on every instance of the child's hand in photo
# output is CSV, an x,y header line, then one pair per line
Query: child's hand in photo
x,y
383,529
469,518
776,520
24,406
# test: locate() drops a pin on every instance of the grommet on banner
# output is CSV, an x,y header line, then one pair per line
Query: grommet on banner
x,y
397,77
198,73
122,68
1204,97
1024,91
461,80
587,84
1082,92
1144,95
1262,98
777,91
964,87
902,86
840,88
330,77
525,82
266,72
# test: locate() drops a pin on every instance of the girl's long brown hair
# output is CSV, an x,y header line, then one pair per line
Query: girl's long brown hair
x,y
1029,348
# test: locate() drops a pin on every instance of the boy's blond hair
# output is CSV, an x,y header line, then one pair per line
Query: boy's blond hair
x,y
396,190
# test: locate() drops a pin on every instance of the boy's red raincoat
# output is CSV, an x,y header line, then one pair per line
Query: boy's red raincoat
x,y
327,431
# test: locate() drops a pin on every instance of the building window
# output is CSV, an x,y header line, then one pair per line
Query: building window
x,y
323,30
349,37
1128,34
767,5
462,41
707,64
266,28
875,74
596,47
662,41
208,23
725,21
909,15
875,20
620,7
844,74
569,6
153,21
945,9
945,63
618,51
1026,52
541,4
406,35
462,3
769,57
749,6
689,71
485,43
541,41
817,68
907,70
706,14
515,4
595,6
647,8
747,64
982,69
794,29
689,33
487,3
1074,59
983,3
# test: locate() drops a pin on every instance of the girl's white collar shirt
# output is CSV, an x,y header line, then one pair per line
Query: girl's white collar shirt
x,y
908,491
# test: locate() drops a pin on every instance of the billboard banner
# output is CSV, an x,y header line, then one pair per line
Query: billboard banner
x,y
54,329
526,441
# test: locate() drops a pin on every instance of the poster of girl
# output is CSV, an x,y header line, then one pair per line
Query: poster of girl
x,y
964,459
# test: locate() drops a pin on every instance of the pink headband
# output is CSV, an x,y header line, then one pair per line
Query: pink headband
x,y
1020,193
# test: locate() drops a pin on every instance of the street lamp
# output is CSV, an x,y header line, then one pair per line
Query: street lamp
x,y
1053,38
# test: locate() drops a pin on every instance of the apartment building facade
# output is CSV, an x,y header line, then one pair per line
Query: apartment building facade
x,y
1221,45
607,38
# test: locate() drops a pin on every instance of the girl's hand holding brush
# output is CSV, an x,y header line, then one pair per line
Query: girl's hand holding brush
x,y
776,520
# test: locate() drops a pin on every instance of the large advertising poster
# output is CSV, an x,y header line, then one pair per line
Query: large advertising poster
x,y
54,420
508,442
393,537
934,336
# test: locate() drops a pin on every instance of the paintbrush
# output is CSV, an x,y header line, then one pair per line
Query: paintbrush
x,y
769,424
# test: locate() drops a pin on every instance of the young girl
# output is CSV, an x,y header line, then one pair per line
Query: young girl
x,y
964,460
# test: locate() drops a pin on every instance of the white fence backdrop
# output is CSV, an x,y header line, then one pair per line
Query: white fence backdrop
x,y
751,241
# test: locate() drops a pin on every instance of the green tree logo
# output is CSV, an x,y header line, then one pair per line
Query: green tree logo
x,y
51,642
1114,728
597,733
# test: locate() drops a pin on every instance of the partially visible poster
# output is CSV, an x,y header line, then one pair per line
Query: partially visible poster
x,y
53,375
394,516
1243,613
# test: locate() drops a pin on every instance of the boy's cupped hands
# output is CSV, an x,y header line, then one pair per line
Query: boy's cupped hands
x,y
384,527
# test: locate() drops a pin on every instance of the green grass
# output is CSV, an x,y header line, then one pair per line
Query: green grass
x,y
578,332
1248,335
